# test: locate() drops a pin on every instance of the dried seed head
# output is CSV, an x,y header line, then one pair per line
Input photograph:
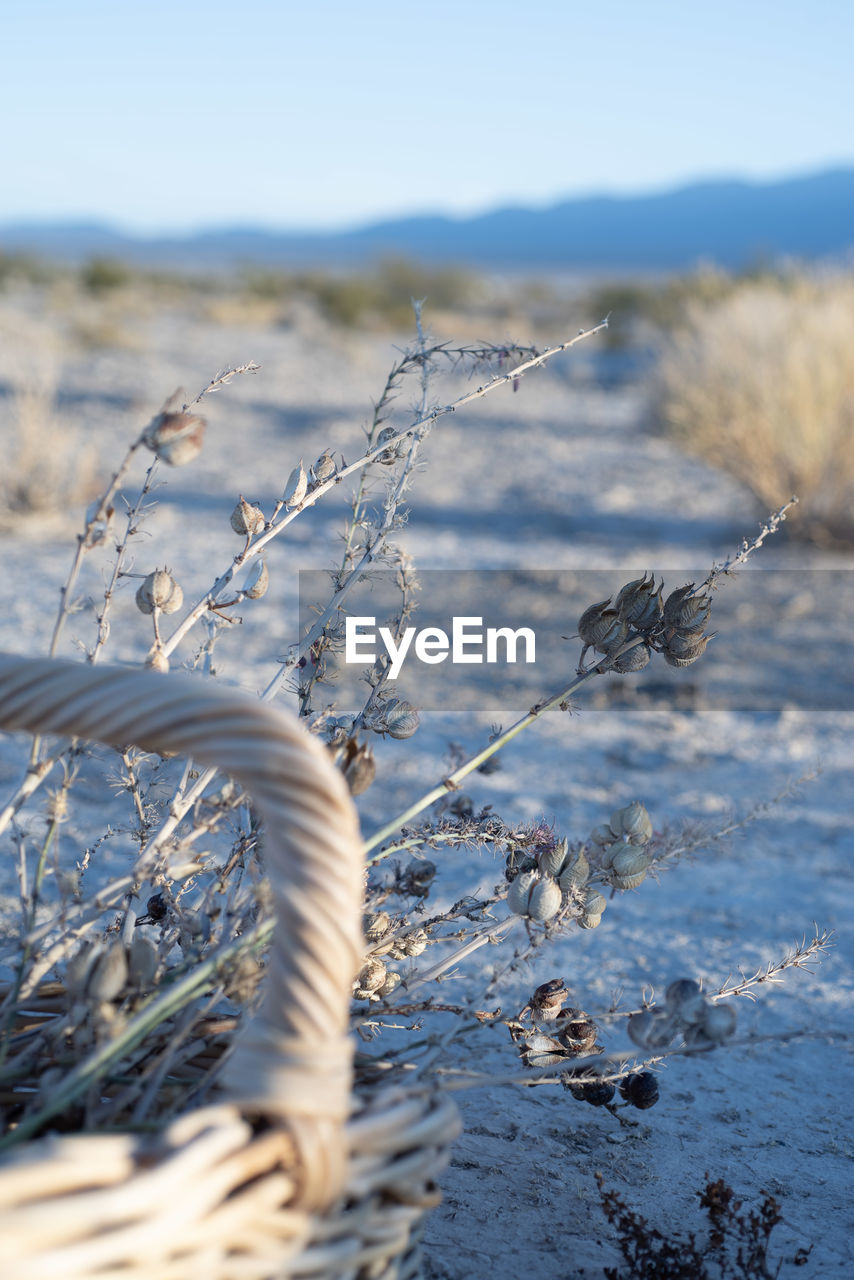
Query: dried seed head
x,y
109,974
296,487
687,612
257,581
638,603
684,998
389,456
577,1032
402,719
600,627
598,1093
142,961
360,768
176,438
629,867
681,651
632,660
547,1000
575,872
159,591
603,835
540,1050
247,519
718,1022
414,943
633,822
652,1028
552,861
371,978
533,895
376,925
392,980
640,1089
594,903
325,468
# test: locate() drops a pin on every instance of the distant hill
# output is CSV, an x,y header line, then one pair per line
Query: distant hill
x,y
731,223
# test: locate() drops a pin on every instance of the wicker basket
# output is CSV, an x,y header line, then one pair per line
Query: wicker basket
x,y
291,1175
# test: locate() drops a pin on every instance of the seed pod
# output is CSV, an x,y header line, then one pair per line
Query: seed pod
x,y
600,627
392,980
375,925
79,968
156,907
618,846
590,920
246,519
684,611
691,652
684,998
640,1089
296,487
552,861
324,469
629,867
109,974
402,719
142,961
159,591
594,903
390,455
687,644
257,581
533,895
638,603
547,1000
574,873
516,862
652,1028
603,835
371,977
414,943
577,1032
176,438
598,1093
718,1022
361,769
541,1050
632,660
636,823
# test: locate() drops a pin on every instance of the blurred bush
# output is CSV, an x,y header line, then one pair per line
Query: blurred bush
x,y
760,382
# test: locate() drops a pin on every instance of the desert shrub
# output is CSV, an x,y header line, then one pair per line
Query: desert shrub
x,y
160,918
761,383
101,275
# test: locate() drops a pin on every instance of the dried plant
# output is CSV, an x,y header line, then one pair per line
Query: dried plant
x,y
761,382
132,963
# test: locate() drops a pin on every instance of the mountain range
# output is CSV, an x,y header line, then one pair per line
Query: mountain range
x,y
733,223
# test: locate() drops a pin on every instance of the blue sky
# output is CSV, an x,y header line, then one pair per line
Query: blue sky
x,y
173,116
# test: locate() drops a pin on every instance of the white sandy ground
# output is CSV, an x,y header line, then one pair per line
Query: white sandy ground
x,y
561,475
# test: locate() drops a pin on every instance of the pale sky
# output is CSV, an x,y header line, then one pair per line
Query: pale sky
x,y
172,116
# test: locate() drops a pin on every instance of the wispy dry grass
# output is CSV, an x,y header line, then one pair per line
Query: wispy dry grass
x,y
761,383
48,467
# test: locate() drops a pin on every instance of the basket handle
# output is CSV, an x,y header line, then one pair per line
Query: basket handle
x,y
293,1061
